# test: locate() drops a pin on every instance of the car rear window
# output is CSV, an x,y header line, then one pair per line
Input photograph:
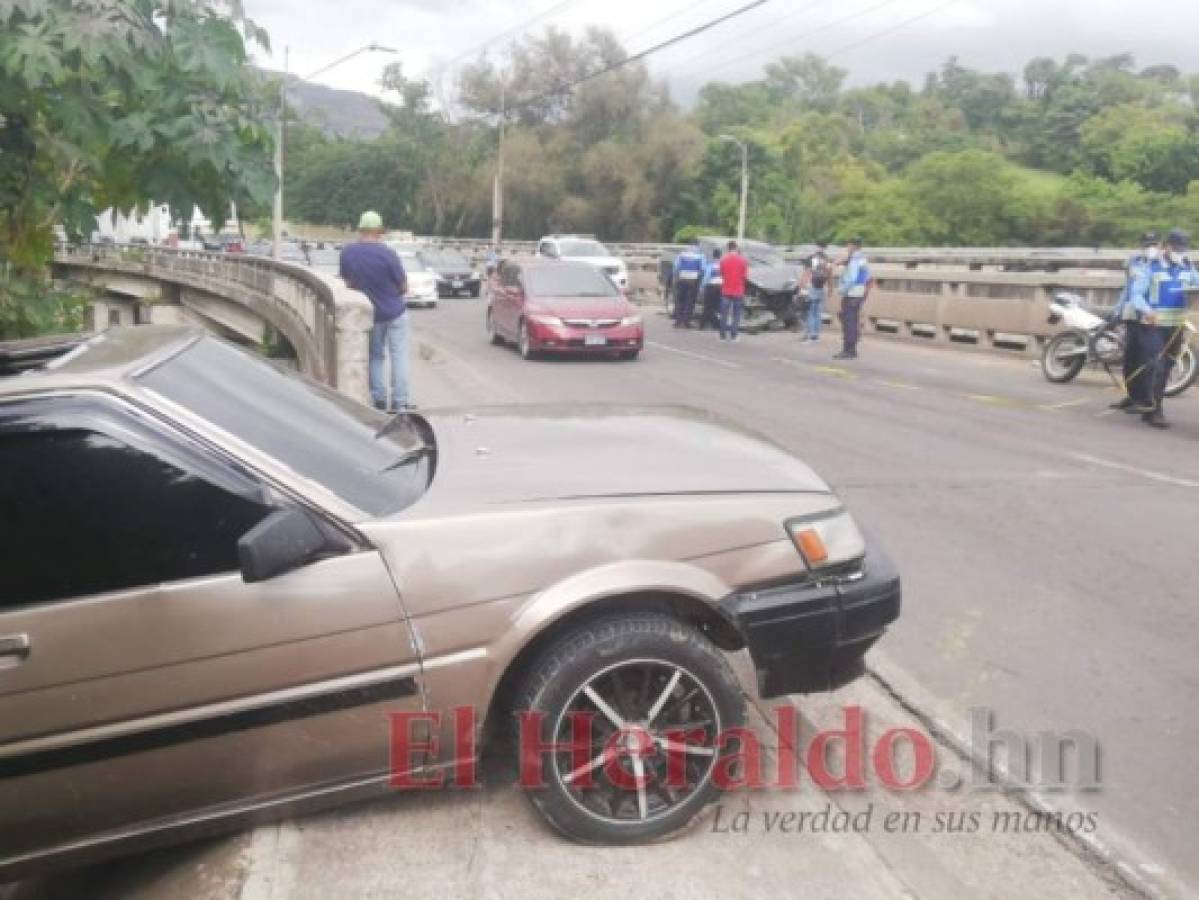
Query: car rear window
x,y
569,281
582,248
316,432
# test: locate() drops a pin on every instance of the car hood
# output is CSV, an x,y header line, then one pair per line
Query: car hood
x,y
453,271
524,454
575,308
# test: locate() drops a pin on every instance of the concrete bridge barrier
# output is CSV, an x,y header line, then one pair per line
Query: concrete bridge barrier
x,y
326,323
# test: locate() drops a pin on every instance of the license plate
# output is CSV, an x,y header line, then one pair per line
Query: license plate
x,y
594,340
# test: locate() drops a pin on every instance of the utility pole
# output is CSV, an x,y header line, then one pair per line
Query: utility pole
x,y
497,194
744,180
280,133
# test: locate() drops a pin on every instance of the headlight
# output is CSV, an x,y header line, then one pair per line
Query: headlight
x,y
827,540
553,321
631,320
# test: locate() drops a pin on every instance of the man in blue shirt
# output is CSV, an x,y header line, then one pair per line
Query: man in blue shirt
x,y
688,267
1160,295
709,291
1134,367
854,286
370,266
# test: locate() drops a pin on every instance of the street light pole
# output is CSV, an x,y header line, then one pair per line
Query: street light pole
x,y
497,194
744,182
280,135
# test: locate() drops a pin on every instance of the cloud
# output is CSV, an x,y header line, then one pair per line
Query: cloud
x,y
996,35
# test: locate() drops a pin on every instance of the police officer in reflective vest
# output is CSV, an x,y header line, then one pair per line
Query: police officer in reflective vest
x,y
688,269
1134,367
1160,296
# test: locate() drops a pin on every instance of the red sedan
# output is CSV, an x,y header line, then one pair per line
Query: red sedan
x,y
561,307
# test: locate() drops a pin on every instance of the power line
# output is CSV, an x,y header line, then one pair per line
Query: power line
x,y
636,57
511,32
754,29
904,24
760,51
685,8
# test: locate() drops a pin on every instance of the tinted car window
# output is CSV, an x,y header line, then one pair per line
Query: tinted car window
x,y
313,430
86,513
569,281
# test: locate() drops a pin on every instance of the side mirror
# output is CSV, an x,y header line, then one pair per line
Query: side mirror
x,y
284,540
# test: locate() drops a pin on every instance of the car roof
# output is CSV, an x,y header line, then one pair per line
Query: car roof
x,y
541,262
102,360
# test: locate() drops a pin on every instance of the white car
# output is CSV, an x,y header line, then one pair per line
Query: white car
x,y
422,281
586,249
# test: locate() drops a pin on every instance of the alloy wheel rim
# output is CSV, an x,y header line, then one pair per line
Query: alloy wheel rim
x,y
654,725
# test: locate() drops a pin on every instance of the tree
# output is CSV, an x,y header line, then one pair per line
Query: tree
x,y
1151,146
120,103
809,82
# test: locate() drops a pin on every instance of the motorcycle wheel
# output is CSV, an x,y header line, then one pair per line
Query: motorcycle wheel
x,y
1184,372
1064,356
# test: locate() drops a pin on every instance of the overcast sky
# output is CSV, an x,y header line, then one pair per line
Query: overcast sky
x,y
876,40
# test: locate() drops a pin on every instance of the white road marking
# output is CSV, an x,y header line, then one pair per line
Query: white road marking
x,y
1133,470
705,358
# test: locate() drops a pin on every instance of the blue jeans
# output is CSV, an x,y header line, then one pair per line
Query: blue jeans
x,y
390,339
815,319
730,315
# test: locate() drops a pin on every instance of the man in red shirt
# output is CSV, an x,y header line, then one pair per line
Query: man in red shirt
x,y
733,271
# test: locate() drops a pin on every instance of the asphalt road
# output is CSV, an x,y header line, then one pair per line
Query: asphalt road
x,y
1046,542
1043,544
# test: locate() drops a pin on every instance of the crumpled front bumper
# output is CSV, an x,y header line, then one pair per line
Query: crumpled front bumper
x,y
812,636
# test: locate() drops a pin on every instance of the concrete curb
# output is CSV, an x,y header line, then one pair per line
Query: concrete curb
x,y
1117,857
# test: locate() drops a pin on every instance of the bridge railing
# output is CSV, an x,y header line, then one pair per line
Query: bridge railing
x,y
323,320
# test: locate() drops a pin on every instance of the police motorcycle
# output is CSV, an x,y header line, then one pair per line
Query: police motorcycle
x,y
1091,340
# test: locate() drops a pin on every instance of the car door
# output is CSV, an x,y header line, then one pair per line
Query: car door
x,y
143,682
510,294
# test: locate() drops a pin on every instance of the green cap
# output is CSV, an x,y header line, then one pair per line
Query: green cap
x,y
370,221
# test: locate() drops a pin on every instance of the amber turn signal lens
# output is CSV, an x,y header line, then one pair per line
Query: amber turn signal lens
x,y
811,546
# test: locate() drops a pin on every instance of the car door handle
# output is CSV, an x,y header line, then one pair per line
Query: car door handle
x,y
14,645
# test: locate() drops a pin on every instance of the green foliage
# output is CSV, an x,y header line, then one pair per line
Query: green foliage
x,y
121,103
29,307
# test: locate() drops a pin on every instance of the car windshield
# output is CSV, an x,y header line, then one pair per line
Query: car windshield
x,y
316,432
582,248
446,259
569,281
413,263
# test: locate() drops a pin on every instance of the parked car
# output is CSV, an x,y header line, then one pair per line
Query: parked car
x,y
543,305
455,274
224,243
422,281
770,303
224,583
584,248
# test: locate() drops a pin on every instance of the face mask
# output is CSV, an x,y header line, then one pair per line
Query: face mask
x,y
1151,253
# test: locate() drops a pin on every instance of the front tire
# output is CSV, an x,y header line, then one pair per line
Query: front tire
x,y
523,342
1064,356
641,680
1184,372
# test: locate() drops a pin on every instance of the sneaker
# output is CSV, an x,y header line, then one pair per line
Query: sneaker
x,y
1123,404
1137,408
1155,419
735,338
845,355
723,338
